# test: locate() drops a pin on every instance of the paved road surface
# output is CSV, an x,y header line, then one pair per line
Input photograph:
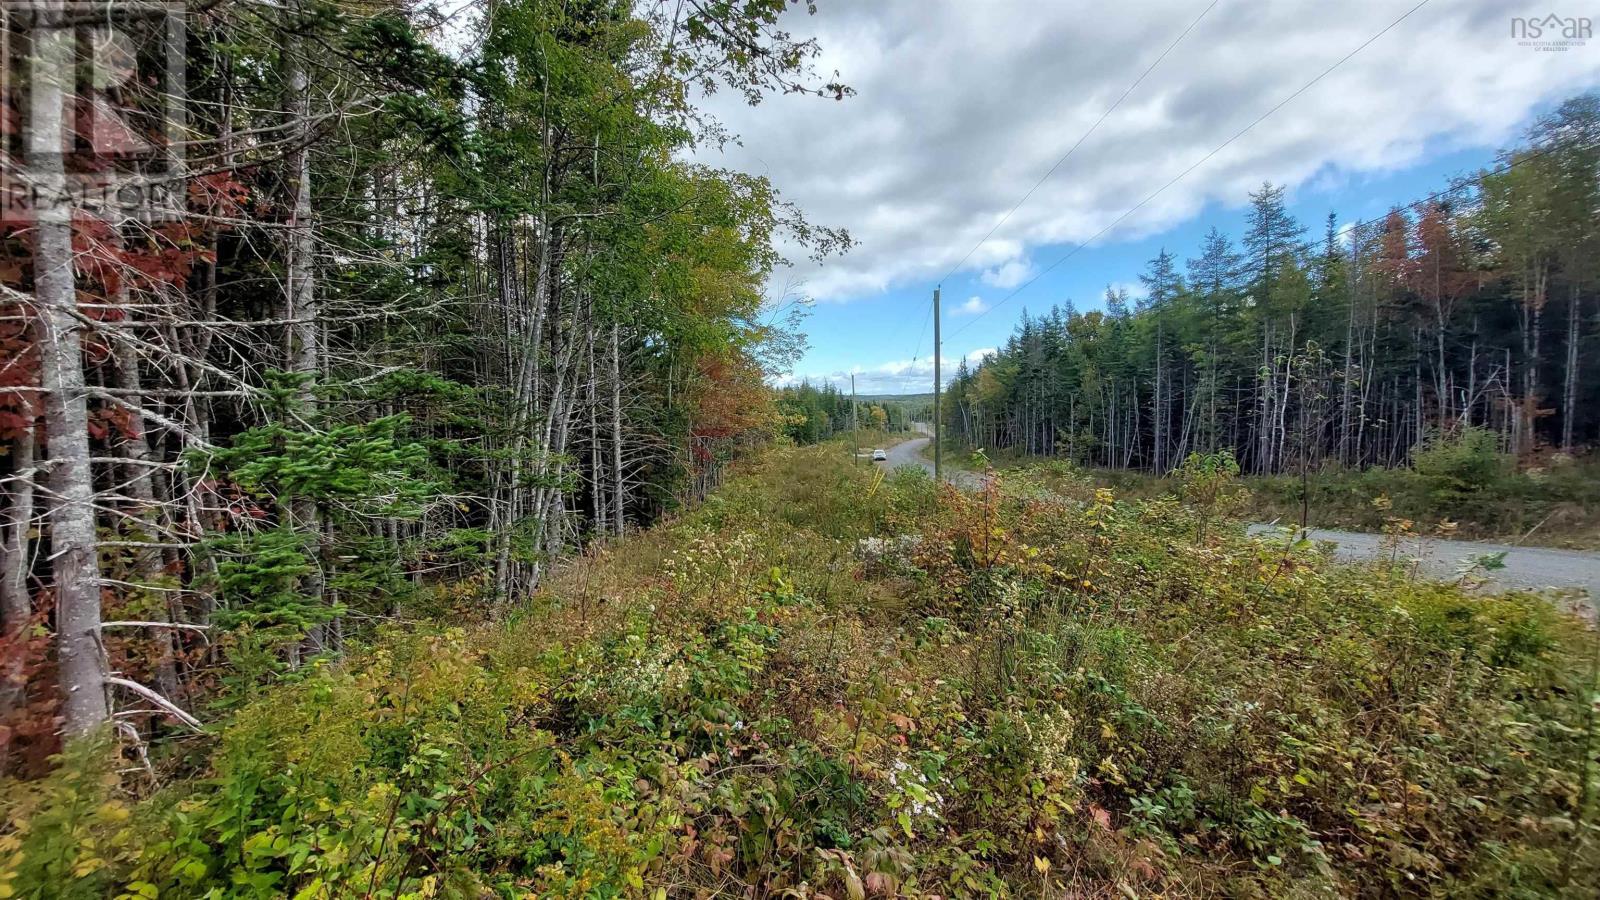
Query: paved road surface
x,y
1525,567
909,453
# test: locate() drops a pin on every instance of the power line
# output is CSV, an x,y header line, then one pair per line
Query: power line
x,y
1474,180
1085,136
1459,185
1197,164
915,354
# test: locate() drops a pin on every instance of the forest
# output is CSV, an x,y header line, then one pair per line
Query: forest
x,y
1472,308
812,413
399,319
396,502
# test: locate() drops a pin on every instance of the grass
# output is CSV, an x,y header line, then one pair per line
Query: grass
x,y
828,681
1554,503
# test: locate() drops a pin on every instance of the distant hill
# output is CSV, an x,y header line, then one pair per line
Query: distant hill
x,y
873,398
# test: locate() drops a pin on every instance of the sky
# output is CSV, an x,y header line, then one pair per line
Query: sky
x,y
962,105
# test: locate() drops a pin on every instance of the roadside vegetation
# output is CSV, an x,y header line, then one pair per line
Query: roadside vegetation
x,y
1459,485
828,681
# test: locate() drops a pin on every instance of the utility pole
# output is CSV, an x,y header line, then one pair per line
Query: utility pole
x,y
937,451
855,436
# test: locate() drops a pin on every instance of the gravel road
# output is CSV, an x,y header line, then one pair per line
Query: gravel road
x,y
1525,567
909,453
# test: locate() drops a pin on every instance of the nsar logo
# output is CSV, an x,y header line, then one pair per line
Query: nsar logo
x,y
1553,32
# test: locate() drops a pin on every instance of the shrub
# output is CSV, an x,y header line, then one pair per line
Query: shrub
x,y
1042,697
1208,484
1464,472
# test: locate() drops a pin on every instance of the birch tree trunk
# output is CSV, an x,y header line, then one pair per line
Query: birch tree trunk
x,y
618,493
1264,433
16,607
1570,393
305,344
598,509
1344,387
138,476
1533,286
1160,407
74,569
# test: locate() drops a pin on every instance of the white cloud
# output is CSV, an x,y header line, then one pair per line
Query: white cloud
x,y
930,155
1008,275
975,306
1136,290
902,376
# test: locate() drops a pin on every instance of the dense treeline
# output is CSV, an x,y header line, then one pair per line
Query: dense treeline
x,y
811,414
1471,308
416,324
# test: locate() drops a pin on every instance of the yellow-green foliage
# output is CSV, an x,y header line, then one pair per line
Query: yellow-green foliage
x,y
1556,503
1012,693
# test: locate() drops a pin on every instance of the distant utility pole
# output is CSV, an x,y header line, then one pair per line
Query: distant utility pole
x,y
855,436
937,452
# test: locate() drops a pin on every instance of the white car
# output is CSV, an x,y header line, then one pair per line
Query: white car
x,y
879,456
